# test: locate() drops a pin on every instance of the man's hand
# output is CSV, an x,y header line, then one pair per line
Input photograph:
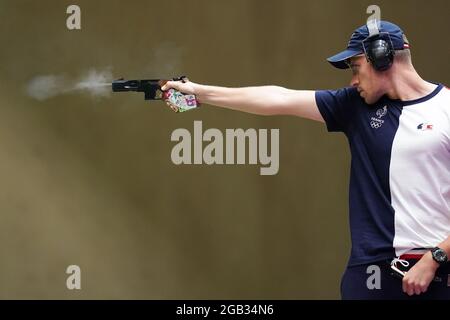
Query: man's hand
x,y
419,277
186,87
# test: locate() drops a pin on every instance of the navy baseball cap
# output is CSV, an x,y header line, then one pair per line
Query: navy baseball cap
x,y
355,45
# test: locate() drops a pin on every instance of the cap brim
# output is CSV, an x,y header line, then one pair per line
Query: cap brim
x,y
338,60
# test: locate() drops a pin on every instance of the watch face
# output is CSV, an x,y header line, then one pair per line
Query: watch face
x,y
440,255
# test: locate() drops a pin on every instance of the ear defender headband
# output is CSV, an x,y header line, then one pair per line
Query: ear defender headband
x,y
378,47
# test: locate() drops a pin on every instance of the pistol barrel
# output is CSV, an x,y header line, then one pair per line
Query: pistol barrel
x,y
151,88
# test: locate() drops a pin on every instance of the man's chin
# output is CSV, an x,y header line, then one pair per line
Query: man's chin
x,y
370,100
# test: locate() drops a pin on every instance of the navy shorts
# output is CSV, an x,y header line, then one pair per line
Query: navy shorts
x,y
354,284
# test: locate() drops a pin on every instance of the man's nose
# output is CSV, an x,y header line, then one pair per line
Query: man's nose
x,y
354,82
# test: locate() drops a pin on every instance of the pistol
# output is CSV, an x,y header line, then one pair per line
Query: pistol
x,y
152,91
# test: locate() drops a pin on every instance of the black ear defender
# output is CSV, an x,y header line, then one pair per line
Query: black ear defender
x,y
378,47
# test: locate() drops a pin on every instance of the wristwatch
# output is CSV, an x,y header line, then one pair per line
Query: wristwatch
x,y
439,255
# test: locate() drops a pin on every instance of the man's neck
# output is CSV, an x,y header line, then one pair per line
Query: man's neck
x,y
406,84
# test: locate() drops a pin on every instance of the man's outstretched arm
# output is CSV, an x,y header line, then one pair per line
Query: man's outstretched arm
x,y
262,100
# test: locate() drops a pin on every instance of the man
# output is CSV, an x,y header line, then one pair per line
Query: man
x,y
398,128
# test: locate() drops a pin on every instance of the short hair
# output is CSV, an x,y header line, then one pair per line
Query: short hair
x,y
403,56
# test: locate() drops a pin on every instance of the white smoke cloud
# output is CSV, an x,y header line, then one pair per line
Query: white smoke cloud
x,y
44,87
96,83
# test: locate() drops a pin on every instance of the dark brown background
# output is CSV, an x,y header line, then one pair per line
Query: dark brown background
x,y
90,181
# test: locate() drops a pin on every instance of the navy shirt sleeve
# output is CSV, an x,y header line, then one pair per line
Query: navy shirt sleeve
x,y
337,107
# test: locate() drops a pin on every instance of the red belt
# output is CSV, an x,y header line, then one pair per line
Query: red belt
x,y
411,256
